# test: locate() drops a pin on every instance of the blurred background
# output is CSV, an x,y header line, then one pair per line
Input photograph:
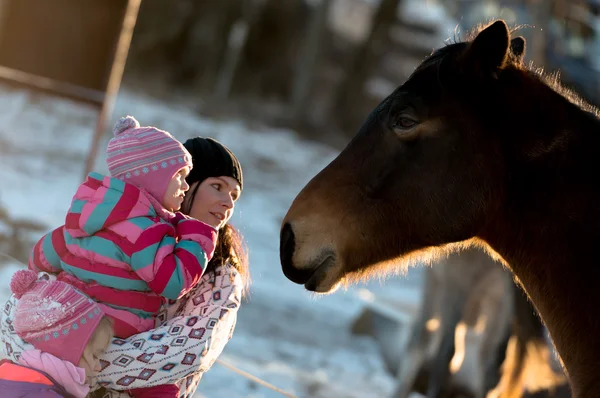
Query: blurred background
x,y
319,66
285,84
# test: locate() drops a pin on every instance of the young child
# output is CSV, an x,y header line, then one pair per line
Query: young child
x,y
121,244
69,332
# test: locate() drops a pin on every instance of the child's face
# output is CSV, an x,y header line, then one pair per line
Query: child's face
x,y
90,360
176,190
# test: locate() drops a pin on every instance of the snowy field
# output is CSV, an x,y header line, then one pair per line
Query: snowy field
x,y
285,335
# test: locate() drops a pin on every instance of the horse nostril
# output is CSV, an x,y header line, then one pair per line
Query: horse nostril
x,y
287,246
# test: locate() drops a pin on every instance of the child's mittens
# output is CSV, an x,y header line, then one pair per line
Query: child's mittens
x,y
197,231
178,217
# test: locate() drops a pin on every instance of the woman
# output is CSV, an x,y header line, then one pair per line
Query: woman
x,y
197,326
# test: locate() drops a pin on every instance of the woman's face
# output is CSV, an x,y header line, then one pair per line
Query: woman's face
x,y
214,201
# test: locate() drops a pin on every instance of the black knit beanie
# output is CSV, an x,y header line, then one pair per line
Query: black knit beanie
x,y
210,158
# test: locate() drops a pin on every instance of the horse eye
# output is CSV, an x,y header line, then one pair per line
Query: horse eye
x,y
404,123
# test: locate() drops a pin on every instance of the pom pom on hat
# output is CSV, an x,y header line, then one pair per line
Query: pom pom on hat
x,y
125,123
22,281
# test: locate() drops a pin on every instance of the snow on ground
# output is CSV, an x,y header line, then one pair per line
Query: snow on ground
x,y
286,336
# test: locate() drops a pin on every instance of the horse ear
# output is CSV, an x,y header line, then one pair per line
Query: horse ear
x,y
517,46
489,51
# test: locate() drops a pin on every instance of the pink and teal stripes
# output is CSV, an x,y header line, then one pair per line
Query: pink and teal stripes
x,y
115,243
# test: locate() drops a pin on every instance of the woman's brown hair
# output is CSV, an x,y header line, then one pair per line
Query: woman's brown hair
x,y
231,249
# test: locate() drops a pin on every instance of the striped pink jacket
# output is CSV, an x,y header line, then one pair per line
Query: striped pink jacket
x,y
123,249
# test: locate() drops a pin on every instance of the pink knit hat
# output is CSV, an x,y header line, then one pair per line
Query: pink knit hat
x,y
145,156
53,316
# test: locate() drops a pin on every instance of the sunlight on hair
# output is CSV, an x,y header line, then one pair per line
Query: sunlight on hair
x,y
423,257
460,336
538,374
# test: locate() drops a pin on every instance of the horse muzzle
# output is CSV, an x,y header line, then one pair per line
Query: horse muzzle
x,y
312,274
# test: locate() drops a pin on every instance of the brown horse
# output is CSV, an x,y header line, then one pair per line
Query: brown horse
x,y
474,148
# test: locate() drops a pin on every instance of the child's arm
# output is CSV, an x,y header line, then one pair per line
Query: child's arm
x,y
172,259
43,257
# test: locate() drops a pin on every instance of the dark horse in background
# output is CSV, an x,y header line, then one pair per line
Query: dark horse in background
x,y
474,148
464,292
470,294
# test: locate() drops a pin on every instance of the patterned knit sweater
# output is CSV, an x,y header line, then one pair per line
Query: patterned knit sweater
x,y
123,249
195,331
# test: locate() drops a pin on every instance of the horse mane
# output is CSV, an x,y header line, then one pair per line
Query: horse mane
x,y
552,80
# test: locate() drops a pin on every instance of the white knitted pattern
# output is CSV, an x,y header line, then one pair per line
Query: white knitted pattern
x,y
195,333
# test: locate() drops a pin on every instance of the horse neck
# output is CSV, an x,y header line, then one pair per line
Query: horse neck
x,y
538,113
547,231
562,279
552,159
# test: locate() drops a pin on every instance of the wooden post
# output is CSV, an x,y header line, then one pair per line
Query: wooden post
x,y
236,41
309,59
114,79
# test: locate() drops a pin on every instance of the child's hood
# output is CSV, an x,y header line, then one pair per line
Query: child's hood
x,y
102,201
